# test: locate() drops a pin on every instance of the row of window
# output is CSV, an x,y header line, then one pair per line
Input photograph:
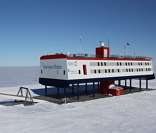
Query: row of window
x,y
64,72
119,70
119,63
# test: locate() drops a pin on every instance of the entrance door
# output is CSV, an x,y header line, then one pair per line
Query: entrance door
x,y
84,69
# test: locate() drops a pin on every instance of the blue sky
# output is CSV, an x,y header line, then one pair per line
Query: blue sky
x,y
31,28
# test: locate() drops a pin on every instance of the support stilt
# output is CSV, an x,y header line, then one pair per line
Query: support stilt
x,y
78,93
98,86
65,94
125,82
86,91
130,85
46,90
72,90
58,92
146,84
93,89
119,82
140,84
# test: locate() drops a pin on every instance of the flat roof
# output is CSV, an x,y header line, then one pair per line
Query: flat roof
x,y
93,57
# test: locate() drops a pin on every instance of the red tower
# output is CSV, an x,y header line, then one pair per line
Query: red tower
x,y
102,51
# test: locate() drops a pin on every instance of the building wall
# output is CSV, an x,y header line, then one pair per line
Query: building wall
x,y
104,69
53,68
74,69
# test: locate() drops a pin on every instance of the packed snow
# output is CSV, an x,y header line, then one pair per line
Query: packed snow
x,y
135,112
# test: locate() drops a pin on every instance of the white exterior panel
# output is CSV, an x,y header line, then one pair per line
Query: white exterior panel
x,y
73,69
54,69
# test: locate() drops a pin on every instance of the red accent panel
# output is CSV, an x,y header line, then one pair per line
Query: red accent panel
x,y
100,51
56,56
104,86
117,91
84,70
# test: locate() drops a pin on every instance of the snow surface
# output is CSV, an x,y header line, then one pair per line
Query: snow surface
x,y
132,113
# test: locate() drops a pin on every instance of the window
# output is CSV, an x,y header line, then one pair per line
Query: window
x,y
98,63
64,72
41,71
99,71
79,72
104,63
94,71
101,63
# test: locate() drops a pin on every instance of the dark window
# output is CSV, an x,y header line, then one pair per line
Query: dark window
x,y
79,72
112,70
64,72
94,71
105,70
98,64
41,71
99,71
104,63
109,70
101,63
117,63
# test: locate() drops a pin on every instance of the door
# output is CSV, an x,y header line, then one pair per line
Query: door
x,y
84,69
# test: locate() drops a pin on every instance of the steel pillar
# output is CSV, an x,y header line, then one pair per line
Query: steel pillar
x,y
119,82
58,92
130,84
72,90
65,93
86,91
98,86
125,82
46,90
93,89
78,93
146,84
140,84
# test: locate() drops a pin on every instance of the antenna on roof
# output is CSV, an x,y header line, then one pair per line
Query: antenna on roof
x,y
108,42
